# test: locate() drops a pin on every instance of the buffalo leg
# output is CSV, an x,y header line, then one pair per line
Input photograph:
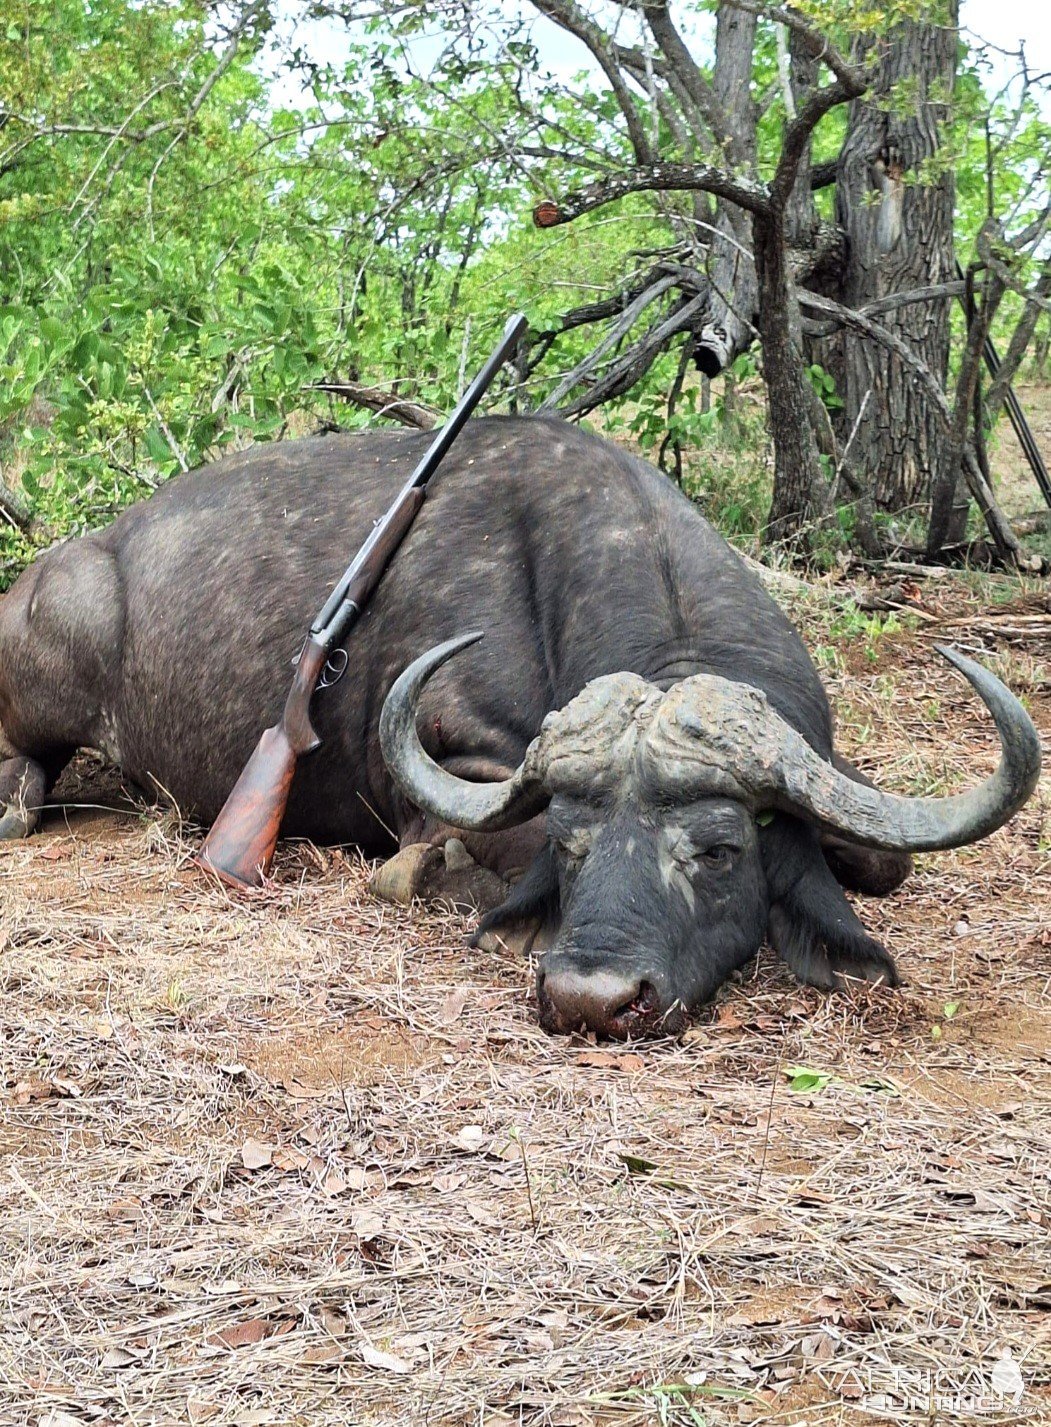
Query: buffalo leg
x,y
438,872
438,863
24,784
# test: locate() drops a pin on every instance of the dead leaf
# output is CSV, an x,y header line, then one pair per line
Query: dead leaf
x,y
727,1019
323,1353
818,1348
386,1362
256,1155
481,1215
366,1223
119,1358
56,851
612,1060
299,1091
452,1007
35,1088
31,1088
335,1324
197,1410
448,1180
288,1158
470,1138
125,1211
411,1345
55,1418
254,1330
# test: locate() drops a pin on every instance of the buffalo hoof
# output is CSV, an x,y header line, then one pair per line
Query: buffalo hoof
x,y
401,876
16,823
446,873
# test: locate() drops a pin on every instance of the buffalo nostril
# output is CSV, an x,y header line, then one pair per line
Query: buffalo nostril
x,y
594,997
643,1003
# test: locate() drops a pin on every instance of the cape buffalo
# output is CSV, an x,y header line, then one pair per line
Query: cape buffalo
x,y
640,744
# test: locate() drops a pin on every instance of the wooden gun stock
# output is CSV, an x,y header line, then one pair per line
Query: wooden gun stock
x,y
240,847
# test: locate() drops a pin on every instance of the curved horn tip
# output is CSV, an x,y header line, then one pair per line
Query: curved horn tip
x,y
457,801
958,660
442,653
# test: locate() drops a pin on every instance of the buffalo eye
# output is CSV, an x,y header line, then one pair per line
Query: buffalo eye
x,y
719,857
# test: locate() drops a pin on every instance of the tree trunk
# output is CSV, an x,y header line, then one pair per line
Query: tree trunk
x,y
800,499
899,236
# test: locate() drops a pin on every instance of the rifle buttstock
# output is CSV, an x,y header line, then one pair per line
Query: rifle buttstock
x,y
240,846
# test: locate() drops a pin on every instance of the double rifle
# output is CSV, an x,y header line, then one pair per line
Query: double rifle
x,y
240,846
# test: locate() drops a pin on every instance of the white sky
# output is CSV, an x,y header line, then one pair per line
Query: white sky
x,y
1006,22
1001,23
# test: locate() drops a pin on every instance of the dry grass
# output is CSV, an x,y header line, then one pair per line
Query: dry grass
x,y
464,1221
1015,482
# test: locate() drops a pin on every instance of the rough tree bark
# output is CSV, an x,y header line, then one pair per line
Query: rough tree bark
x,y
899,236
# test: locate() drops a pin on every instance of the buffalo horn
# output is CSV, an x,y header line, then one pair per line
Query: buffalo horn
x,y
474,806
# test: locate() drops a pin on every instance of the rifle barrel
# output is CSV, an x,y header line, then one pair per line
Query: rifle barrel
x,y
334,618
1017,417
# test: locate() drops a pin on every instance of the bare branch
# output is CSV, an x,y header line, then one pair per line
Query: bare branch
x,y
797,136
569,17
619,329
690,79
818,43
784,72
383,400
1020,340
999,527
653,178
637,360
847,317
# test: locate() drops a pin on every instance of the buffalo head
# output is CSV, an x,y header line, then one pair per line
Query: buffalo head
x,y
682,829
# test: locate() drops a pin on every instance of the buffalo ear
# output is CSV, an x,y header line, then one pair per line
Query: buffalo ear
x,y
533,903
811,924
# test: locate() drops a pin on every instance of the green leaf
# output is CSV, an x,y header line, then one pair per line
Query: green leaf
x,y
52,329
636,1164
803,1080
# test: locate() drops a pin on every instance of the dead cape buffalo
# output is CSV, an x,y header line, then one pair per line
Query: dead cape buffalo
x,y
614,747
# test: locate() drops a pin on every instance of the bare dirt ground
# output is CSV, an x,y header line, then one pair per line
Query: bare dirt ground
x,y
303,1158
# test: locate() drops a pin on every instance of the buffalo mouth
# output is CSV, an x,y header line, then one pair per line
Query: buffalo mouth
x,y
606,1001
